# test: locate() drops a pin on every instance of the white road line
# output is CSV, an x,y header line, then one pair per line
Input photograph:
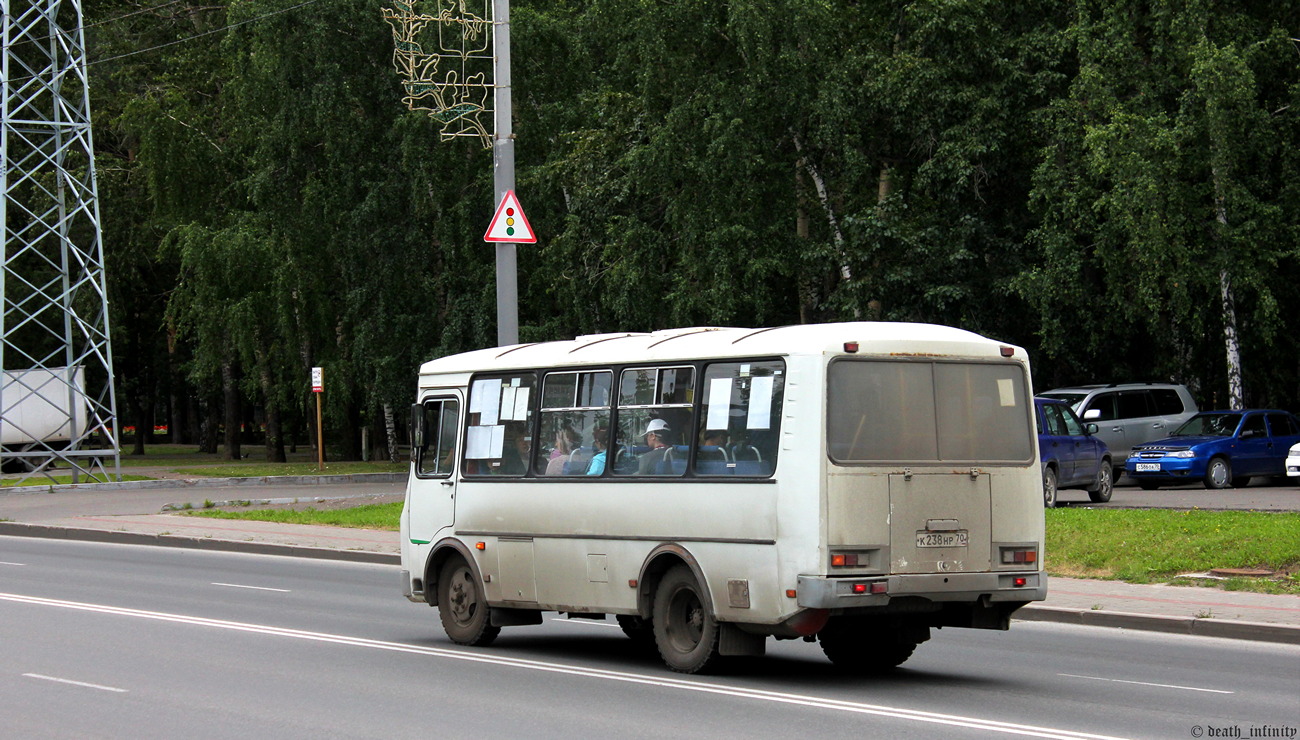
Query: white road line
x,y
680,684
4,562
1145,683
584,622
76,683
254,588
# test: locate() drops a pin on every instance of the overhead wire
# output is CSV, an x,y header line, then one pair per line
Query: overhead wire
x,y
226,27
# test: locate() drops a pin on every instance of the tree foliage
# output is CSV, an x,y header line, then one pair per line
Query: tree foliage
x,y
1084,179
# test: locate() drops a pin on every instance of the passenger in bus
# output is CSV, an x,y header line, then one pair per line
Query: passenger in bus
x,y
517,448
599,438
713,446
656,438
566,441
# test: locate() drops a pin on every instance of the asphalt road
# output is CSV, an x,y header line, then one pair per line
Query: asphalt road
x,y
1261,495
114,641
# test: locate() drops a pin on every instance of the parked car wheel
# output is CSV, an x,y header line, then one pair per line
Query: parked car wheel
x,y
1218,473
1049,488
1105,486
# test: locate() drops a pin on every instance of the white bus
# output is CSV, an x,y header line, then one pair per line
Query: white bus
x,y
854,483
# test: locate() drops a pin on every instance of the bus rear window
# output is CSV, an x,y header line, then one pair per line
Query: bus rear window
x,y
907,411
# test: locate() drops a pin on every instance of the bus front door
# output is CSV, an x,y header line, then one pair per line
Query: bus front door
x,y
431,500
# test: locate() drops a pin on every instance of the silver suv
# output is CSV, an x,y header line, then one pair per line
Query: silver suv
x,y
1128,414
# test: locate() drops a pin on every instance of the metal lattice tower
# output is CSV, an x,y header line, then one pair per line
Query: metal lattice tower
x,y
58,406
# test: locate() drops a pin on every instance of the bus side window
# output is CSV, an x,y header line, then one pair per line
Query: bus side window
x,y
499,421
741,419
654,421
438,447
574,406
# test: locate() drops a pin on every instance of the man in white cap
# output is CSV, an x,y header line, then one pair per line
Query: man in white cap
x,y
656,437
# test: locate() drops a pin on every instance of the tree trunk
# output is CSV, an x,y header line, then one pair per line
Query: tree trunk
x,y
274,440
390,427
208,426
231,415
1232,349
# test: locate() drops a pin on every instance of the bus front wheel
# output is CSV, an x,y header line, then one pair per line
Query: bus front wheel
x,y
462,606
685,632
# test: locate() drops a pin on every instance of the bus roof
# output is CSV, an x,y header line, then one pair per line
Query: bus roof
x,y
874,338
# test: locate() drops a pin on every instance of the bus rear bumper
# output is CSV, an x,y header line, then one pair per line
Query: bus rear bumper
x,y
821,592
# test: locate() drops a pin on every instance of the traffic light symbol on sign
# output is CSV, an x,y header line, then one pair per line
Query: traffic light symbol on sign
x,y
510,224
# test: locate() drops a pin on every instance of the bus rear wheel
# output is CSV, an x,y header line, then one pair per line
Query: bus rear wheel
x,y
685,631
864,646
462,606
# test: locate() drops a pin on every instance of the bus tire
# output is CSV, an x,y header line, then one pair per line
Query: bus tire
x,y
640,631
685,631
462,606
861,647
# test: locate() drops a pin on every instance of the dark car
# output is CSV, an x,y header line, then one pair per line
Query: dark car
x,y
1070,453
1221,448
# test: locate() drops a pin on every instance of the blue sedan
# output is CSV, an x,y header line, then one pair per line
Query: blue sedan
x,y
1221,448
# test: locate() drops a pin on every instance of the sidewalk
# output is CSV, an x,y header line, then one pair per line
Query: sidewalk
x,y
130,515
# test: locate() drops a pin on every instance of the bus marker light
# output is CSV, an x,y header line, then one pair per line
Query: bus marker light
x,y
790,593
859,588
850,347
480,545
631,583
1018,581
1007,351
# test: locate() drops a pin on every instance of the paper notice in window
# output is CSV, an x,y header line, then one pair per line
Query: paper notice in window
x,y
498,442
760,402
489,401
478,443
1007,391
521,403
719,403
508,403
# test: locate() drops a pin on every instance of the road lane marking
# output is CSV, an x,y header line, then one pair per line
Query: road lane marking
x,y
5,562
254,588
76,683
1145,683
680,684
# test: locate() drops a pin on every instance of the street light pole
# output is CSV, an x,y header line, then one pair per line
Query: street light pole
x,y
503,173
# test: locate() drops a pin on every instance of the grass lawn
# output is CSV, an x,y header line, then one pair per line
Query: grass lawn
x,y
1137,546
1157,546
369,516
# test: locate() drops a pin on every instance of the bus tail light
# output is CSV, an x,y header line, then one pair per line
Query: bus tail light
x,y
1019,556
870,587
1019,581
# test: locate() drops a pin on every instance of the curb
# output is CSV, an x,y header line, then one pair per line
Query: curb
x,y
1199,626
266,480
17,529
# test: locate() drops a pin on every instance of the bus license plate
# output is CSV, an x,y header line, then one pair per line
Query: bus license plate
x,y
1147,467
942,539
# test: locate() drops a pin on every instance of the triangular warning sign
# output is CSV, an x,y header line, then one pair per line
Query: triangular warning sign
x,y
510,224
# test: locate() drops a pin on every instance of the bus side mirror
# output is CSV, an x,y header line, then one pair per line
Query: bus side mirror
x,y
417,428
